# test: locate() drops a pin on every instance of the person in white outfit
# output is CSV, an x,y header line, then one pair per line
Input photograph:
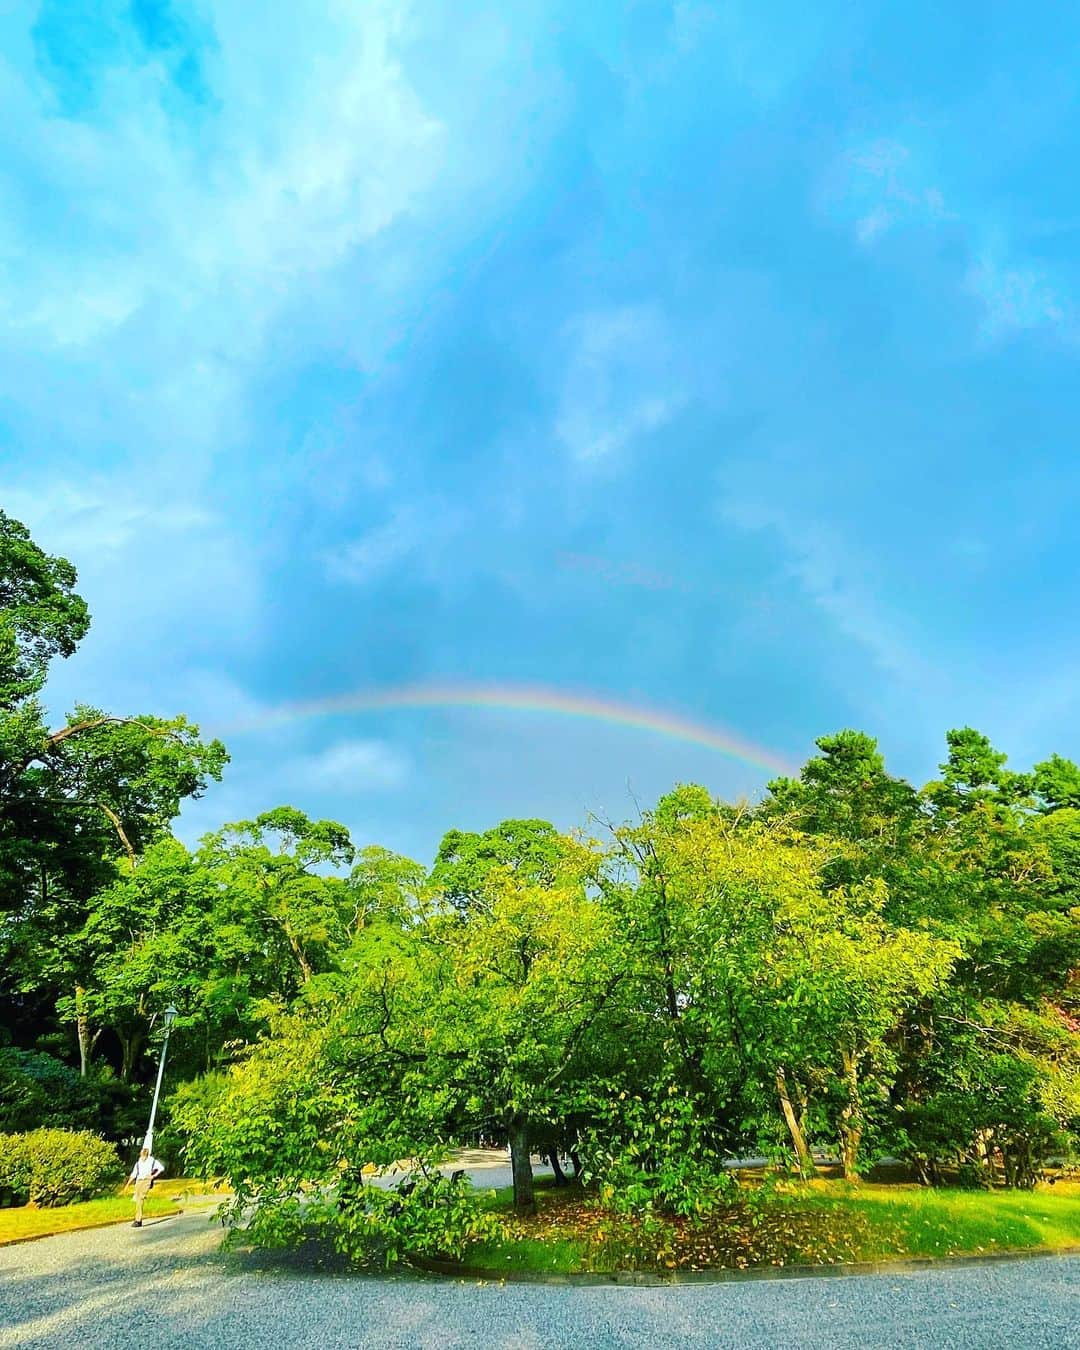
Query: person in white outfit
x,y
142,1177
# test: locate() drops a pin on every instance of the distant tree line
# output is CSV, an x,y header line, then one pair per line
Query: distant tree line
x,y
853,966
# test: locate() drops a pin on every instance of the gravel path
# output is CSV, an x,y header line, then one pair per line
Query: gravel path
x,y
168,1285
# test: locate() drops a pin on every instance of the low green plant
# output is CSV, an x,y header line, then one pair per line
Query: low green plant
x,y
55,1167
427,1215
654,1151
184,1112
986,1107
435,1216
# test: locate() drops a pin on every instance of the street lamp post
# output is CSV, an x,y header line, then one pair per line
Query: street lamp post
x,y
170,1017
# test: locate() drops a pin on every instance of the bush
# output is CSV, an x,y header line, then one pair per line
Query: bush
x,y
989,1108
36,1087
654,1150
431,1215
186,1113
55,1167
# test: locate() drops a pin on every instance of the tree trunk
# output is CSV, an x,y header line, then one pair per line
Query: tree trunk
x,y
851,1120
1027,1165
560,1175
985,1154
521,1165
129,1050
87,1039
301,959
807,1166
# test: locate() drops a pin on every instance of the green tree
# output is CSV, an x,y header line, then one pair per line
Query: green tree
x,y
148,942
430,1029
77,800
387,886
764,983
531,850
282,910
1057,783
41,616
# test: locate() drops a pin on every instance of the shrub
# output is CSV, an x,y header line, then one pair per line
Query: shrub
x,y
430,1215
654,1150
55,1167
427,1214
186,1114
36,1087
988,1108
14,1170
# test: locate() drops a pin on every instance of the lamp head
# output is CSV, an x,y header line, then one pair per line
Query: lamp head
x,y
170,1016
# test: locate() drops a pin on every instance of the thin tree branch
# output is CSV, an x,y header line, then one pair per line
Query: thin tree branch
x,y
80,803
56,738
119,828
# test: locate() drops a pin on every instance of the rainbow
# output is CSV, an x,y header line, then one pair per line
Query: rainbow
x,y
530,699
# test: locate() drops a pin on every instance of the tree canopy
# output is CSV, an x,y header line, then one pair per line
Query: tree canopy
x,y
853,965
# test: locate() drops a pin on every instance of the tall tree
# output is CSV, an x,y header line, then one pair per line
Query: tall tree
x,y
530,850
281,907
437,1026
770,981
98,785
77,799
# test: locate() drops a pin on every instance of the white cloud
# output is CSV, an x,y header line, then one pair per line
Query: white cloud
x,y
881,186
882,159
364,559
884,185
839,585
353,766
417,535
619,382
875,222
314,141
96,518
150,244
1016,298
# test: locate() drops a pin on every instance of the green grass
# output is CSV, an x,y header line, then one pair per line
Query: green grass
x,y
920,1221
559,1256
817,1224
503,1196
27,1222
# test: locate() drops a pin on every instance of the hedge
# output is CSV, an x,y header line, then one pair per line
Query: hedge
x,y
55,1167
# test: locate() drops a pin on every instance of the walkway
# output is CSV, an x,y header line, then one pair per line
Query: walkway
x,y
169,1285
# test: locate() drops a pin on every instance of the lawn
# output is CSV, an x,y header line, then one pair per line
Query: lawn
x,y
26,1221
822,1223
928,1222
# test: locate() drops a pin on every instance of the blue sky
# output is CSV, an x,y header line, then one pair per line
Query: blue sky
x,y
718,357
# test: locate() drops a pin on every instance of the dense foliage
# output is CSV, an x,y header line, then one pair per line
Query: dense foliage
x,y
36,1087
852,965
55,1167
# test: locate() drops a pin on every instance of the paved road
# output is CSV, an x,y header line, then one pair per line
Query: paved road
x,y
168,1285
